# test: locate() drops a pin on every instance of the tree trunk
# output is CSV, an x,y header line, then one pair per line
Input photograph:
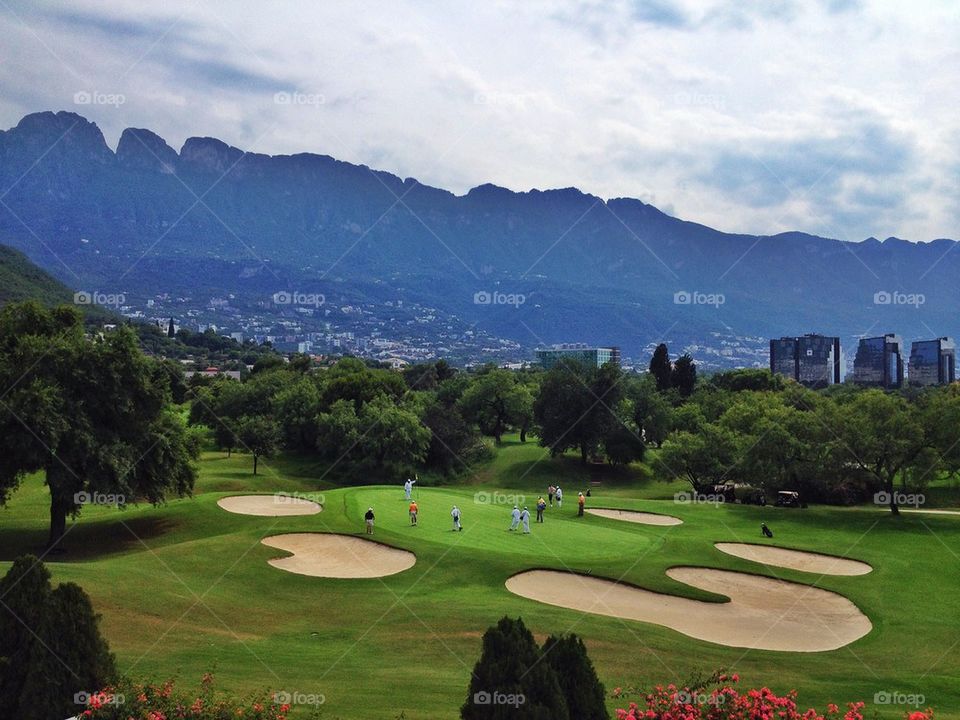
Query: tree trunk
x,y
523,434
58,520
255,458
893,499
583,454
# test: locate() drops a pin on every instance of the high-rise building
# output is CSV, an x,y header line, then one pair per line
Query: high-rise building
x,y
812,360
580,352
933,362
879,361
783,357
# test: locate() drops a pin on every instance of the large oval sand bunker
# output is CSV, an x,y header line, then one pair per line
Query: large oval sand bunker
x,y
269,505
795,559
636,516
762,613
338,556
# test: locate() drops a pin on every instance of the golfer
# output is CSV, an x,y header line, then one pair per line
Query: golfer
x,y
525,519
515,518
580,501
408,488
551,491
559,497
541,506
413,512
368,516
765,530
455,514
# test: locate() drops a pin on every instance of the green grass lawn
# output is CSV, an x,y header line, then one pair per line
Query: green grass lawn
x,y
186,588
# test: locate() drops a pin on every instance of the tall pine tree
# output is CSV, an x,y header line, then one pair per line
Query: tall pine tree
x,y
582,689
684,377
660,367
50,645
511,665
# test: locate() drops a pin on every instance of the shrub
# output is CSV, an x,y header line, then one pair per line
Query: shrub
x,y
726,702
130,700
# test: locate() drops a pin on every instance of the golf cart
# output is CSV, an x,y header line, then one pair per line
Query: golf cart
x,y
788,498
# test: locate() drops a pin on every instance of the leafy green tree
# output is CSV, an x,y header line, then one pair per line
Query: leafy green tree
x,y
622,445
267,362
91,413
496,401
688,418
453,441
747,379
50,643
652,412
883,435
301,363
427,376
394,440
584,693
661,368
296,408
702,458
684,375
940,415
574,407
338,432
203,411
510,665
178,384
260,436
452,389
443,371
351,379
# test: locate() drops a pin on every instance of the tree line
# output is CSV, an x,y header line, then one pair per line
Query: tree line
x,y
433,416
844,444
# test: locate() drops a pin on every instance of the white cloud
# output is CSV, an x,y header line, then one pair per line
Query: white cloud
x,y
704,109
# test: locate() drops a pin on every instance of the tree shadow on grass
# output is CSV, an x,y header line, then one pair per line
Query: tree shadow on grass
x,y
87,540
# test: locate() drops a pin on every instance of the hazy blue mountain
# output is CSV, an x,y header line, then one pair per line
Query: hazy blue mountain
x,y
211,219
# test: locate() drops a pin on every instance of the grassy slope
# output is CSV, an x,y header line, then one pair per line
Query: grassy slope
x,y
21,280
186,587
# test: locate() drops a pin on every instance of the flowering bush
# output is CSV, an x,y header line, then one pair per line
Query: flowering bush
x,y
130,700
726,702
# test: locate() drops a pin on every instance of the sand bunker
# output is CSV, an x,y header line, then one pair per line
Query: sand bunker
x,y
763,613
795,559
338,556
635,516
269,505
931,512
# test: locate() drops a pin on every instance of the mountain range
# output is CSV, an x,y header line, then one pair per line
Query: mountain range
x,y
536,267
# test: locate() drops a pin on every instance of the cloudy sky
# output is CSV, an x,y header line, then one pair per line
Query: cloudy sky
x,y
836,117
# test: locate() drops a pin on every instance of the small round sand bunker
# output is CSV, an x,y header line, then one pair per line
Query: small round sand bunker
x,y
795,559
635,516
338,556
763,613
269,505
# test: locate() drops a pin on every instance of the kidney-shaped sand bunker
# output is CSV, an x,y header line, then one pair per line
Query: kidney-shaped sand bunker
x,y
338,556
762,613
